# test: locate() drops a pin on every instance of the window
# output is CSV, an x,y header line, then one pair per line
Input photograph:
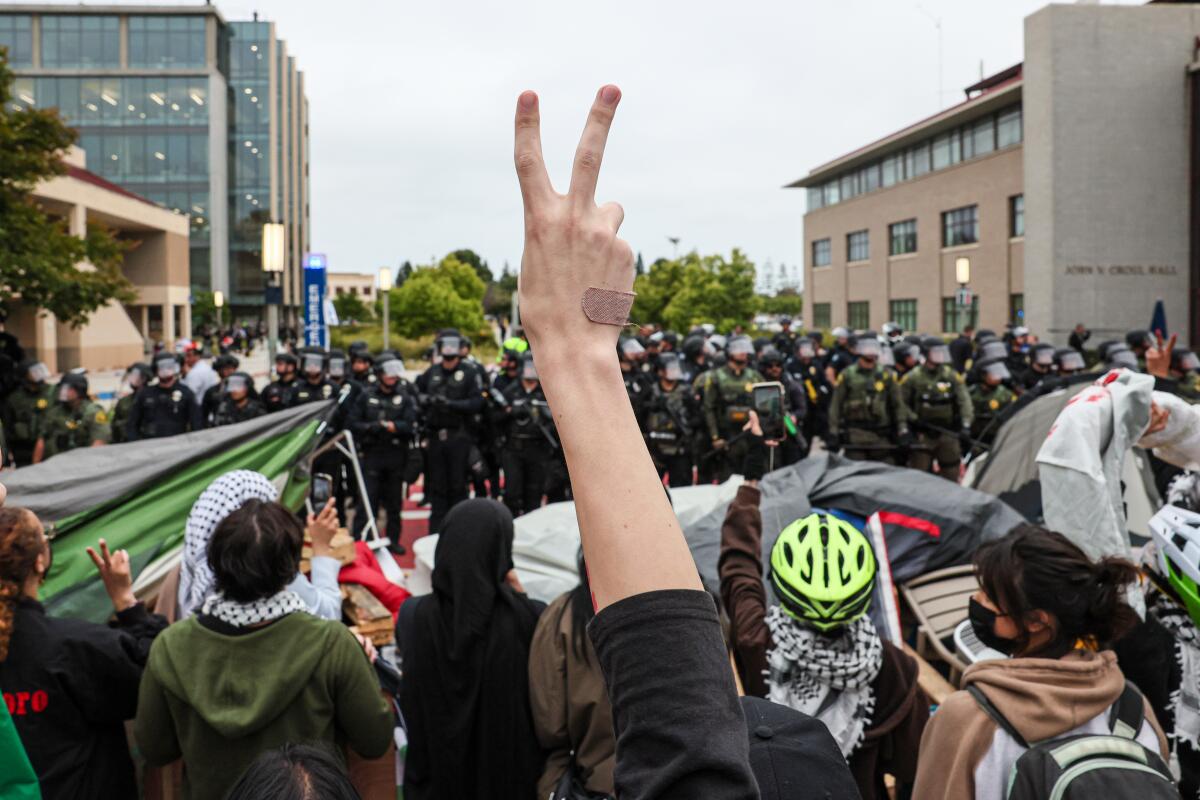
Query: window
x,y
858,246
821,316
916,160
858,315
1016,215
902,237
816,198
164,42
869,178
849,189
1016,309
16,34
946,150
821,253
960,226
76,40
831,193
954,318
904,314
892,170
983,134
1008,127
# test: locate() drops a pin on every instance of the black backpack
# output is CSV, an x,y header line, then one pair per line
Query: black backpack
x,y
1113,767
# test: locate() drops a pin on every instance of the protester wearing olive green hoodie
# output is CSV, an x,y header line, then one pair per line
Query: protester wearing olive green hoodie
x,y
253,671
1044,602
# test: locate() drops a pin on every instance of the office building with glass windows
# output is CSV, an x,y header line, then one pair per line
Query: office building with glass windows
x,y
204,117
1089,138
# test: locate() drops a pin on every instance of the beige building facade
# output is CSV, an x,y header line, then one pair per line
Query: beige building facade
x,y
157,266
361,284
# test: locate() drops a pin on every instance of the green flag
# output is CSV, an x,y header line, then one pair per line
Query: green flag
x,y
17,778
138,495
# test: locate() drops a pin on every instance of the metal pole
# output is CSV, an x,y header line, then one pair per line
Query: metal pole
x,y
272,332
385,320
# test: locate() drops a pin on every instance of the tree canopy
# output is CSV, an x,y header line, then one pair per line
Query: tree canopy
x,y
682,293
448,295
39,257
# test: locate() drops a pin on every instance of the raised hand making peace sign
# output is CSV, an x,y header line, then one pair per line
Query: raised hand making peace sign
x,y
571,244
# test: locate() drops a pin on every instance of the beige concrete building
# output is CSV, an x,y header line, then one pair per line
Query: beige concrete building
x,y
157,266
361,284
887,223
1095,137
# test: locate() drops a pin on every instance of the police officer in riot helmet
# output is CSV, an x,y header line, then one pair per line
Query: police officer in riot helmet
x,y
936,396
989,398
510,370
1185,369
694,358
224,365
454,397
281,392
361,364
632,355
727,400
1139,341
1041,366
313,385
1068,361
532,442
1119,356
795,405
840,356
383,421
337,368
138,375
166,408
666,417
906,357
892,333
25,408
805,368
238,402
74,421
867,412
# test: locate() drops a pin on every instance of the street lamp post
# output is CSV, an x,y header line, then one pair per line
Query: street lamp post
x,y
385,289
218,302
962,275
272,265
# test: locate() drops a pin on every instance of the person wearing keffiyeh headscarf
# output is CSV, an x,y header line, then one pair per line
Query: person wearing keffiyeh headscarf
x,y
222,497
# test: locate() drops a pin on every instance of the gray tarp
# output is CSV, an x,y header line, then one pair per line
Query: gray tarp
x,y
80,480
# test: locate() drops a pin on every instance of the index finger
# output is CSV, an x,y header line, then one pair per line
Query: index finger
x,y
104,552
531,169
95,558
591,144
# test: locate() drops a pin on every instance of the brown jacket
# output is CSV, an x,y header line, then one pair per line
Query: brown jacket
x,y
901,708
570,703
1043,698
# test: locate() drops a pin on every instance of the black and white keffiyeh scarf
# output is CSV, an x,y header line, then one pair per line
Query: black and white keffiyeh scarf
x,y
828,677
1185,700
244,615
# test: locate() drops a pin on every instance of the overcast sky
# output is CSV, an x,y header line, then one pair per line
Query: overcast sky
x,y
724,103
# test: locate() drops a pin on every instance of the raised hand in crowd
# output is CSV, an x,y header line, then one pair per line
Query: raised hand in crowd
x,y
116,574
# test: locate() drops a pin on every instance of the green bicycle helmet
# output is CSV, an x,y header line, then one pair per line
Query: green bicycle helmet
x,y
1176,535
823,571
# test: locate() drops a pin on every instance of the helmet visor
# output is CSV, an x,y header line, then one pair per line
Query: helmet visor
x,y
805,349
740,346
671,369
938,354
337,367
450,346
997,372
1189,362
1043,357
166,368
393,367
886,357
64,392
1122,358
993,350
313,363
236,383
528,370
1070,362
632,348
867,348
38,372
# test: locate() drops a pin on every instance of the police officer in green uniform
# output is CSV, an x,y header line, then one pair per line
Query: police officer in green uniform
x,y
25,409
990,397
936,395
531,441
1185,369
137,376
665,421
238,403
867,413
727,400
72,422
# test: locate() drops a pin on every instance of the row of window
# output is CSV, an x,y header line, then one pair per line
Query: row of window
x,y
118,102
139,157
971,140
85,41
904,314
959,226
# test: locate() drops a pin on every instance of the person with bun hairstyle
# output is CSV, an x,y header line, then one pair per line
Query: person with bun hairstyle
x,y
68,684
1056,613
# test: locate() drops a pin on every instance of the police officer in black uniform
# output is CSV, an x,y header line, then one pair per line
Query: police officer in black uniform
x,y
225,365
510,371
313,386
805,368
532,442
383,422
361,365
166,408
280,393
238,402
454,397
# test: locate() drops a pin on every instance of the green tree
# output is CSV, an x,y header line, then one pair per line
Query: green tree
x,y
640,266
468,256
406,269
351,307
39,257
787,301
204,309
680,294
449,295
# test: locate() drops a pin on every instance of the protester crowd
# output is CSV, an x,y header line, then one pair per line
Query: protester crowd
x,y
640,682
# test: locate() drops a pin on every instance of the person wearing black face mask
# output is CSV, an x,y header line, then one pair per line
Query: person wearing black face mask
x,y
1055,612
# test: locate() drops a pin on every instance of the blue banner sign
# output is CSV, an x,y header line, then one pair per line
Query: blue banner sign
x,y
316,333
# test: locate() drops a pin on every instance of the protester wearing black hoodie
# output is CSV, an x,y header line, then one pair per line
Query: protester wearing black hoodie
x,y
70,685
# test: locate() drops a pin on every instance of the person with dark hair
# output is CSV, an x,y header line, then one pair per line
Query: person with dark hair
x,y
249,673
465,693
295,772
1043,602
571,712
70,685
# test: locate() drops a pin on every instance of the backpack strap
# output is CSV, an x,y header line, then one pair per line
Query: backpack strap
x,y
1128,713
996,716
